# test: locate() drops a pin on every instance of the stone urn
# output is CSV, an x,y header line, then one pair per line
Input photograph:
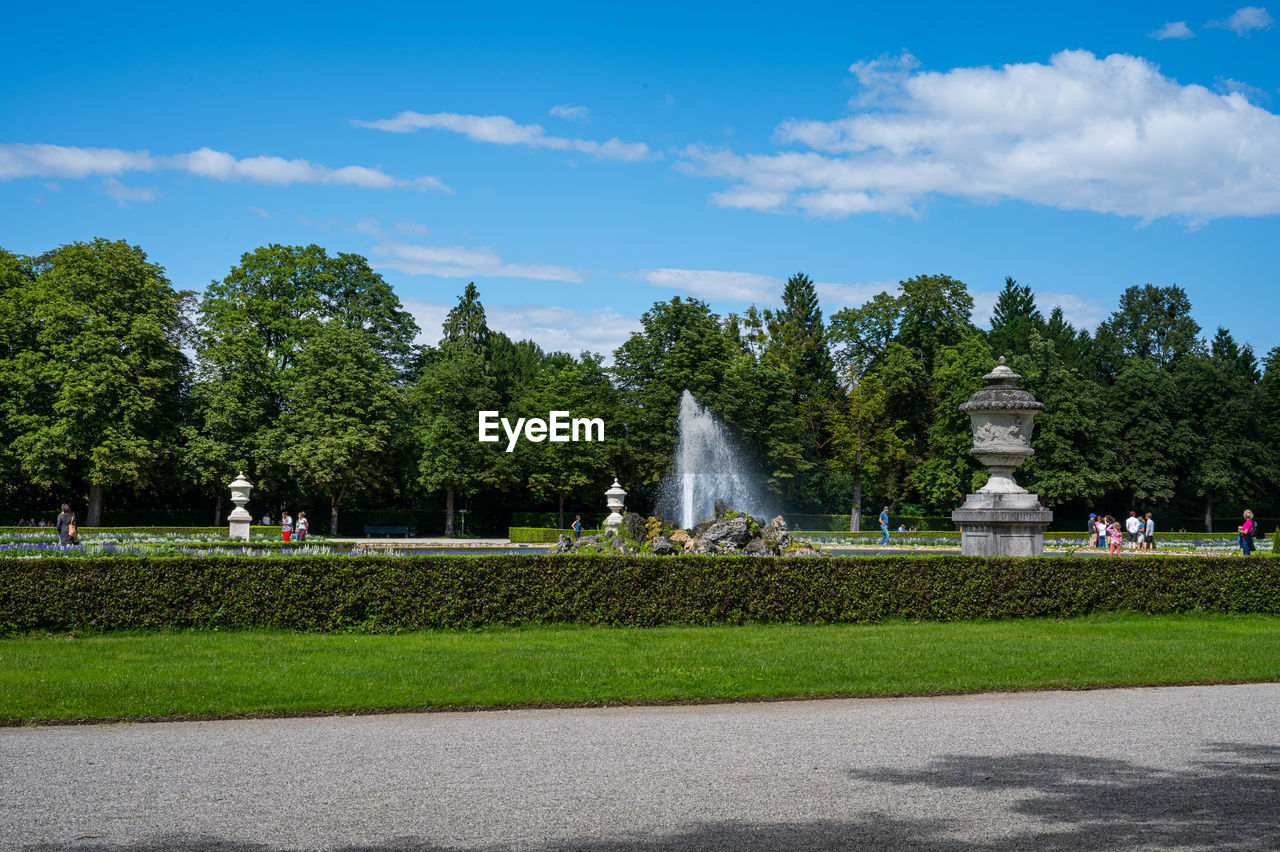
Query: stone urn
x,y
239,518
614,498
1002,518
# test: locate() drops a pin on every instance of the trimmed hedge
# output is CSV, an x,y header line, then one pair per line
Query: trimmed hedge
x,y
82,530
382,594
538,535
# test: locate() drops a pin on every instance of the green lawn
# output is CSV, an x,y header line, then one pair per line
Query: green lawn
x,y
139,675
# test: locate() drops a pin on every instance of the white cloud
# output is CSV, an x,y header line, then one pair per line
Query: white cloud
x,y
837,296
461,262
1077,310
1244,21
18,160
1173,29
261,213
501,130
714,284
1109,135
412,229
552,328
125,194
570,113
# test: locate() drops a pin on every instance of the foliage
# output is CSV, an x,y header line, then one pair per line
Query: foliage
x,y
94,384
389,593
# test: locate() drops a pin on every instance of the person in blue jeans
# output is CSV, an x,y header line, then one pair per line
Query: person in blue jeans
x,y
884,525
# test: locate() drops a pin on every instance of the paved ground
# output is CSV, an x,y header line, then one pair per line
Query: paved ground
x,y
1152,768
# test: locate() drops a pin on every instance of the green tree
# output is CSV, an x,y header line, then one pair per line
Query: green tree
x,y
867,443
1014,319
936,311
344,412
446,402
101,371
1152,323
251,328
465,327
1074,440
581,388
681,345
949,470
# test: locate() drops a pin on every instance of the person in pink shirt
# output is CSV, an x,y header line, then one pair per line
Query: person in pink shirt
x,y
1114,536
1247,530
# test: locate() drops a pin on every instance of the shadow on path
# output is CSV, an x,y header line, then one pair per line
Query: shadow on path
x,y
1229,798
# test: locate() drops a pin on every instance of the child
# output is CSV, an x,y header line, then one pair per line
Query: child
x,y
286,526
1114,536
301,526
1102,531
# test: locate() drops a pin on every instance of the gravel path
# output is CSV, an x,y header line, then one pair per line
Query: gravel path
x,y
1188,767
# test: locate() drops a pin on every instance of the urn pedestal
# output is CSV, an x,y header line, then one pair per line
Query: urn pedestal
x,y
239,519
1002,518
614,498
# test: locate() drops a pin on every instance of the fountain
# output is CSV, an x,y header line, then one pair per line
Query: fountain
x,y
707,467
1003,518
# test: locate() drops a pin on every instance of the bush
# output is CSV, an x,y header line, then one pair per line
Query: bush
x,y
380,594
536,535
82,530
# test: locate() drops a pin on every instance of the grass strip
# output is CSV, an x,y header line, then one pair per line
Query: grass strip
x,y
150,675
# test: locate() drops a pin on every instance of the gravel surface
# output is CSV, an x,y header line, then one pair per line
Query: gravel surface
x,y
1185,767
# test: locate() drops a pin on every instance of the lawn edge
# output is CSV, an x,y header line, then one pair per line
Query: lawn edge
x,y
19,722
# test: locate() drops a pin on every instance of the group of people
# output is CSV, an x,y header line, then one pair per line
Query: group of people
x,y
1106,531
290,529
23,522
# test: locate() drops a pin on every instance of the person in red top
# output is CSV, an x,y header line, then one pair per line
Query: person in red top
x,y
1247,529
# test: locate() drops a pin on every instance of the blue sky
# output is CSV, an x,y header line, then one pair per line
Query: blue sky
x,y
581,162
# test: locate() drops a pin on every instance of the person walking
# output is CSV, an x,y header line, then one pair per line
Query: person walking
x,y
1093,530
1102,531
286,526
1247,530
301,526
577,526
1151,532
884,525
65,522
1114,536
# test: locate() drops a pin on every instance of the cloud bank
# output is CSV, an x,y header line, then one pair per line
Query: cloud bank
x,y
1245,20
19,160
553,328
1110,135
501,130
462,262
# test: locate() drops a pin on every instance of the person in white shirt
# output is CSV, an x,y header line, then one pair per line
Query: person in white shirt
x,y
1134,526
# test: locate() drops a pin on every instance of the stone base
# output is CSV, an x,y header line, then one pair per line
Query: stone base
x,y
240,530
1002,524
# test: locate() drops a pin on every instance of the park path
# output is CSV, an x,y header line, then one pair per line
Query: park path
x,y
1184,767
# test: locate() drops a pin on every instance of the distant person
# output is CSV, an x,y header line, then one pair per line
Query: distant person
x,y
902,527
1114,536
1102,531
1151,532
286,526
266,520
884,525
1247,530
301,526
577,526
65,520
1093,529
1132,525
22,522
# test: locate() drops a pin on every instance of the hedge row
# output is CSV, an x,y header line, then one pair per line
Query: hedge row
x,y
382,594
83,530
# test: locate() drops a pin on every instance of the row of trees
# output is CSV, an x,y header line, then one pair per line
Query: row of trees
x,y
301,369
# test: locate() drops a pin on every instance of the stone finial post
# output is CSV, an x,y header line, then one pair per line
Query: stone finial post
x,y
614,498
239,517
1002,518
